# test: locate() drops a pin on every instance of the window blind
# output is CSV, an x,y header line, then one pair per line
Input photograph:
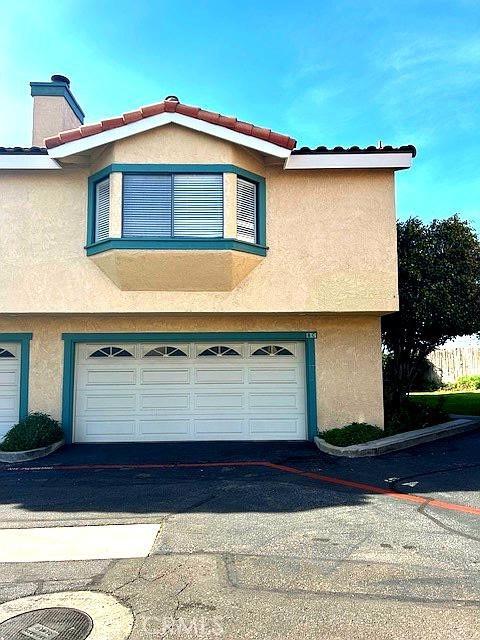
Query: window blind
x,y
102,209
180,205
147,205
198,205
246,210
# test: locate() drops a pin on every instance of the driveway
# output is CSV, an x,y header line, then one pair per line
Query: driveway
x,y
261,540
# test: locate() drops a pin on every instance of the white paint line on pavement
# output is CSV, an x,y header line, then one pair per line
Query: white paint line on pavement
x,y
77,543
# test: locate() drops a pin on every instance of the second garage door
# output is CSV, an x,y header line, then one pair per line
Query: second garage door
x,y
195,391
9,385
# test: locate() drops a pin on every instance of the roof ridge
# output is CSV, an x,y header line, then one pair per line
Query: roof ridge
x,y
171,105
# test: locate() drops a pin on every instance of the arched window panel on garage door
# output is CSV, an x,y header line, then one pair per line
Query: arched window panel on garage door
x,y
166,351
5,353
111,352
272,350
219,351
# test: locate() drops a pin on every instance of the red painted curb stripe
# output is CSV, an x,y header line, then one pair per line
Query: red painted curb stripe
x,y
370,488
153,465
312,475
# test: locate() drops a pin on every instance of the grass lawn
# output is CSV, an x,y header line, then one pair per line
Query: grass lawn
x,y
462,402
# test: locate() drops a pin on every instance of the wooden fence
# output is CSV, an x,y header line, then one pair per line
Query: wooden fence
x,y
450,364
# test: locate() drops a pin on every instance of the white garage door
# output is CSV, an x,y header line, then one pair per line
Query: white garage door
x,y
9,385
161,392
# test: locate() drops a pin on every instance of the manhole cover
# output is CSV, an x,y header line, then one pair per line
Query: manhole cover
x,y
56,623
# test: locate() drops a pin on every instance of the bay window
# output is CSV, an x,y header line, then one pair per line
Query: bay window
x,y
176,207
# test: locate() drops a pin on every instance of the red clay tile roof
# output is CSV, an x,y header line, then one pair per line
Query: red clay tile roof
x,y
23,151
171,104
407,148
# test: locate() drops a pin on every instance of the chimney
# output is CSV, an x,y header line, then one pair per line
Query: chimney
x,y
54,109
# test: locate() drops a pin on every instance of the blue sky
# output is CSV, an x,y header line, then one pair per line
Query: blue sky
x,y
326,72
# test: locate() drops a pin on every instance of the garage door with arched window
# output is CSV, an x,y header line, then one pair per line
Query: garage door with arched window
x,y
190,391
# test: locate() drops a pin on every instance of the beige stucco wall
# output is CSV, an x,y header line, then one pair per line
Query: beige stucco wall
x,y
348,355
144,270
173,144
51,114
331,237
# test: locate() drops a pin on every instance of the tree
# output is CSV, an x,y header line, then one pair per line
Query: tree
x,y
439,295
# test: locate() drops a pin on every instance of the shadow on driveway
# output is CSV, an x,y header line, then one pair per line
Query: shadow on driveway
x,y
99,492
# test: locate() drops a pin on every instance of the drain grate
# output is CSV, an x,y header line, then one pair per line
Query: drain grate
x,y
55,623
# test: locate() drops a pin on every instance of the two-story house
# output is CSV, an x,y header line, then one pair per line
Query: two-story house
x,y
176,274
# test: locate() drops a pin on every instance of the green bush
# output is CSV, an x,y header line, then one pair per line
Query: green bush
x,y
412,415
354,433
465,383
35,431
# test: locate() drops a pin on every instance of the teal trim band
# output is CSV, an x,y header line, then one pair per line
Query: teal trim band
x,y
24,340
179,168
262,212
68,388
178,244
311,383
207,336
72,339
91,211
58,89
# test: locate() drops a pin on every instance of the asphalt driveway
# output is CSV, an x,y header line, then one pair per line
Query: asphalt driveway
x,y
265,540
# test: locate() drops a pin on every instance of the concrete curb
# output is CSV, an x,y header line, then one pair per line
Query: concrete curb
x,y
401,440
31,454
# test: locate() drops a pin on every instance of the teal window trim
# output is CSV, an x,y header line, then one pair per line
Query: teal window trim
x,y
178,168
72,339
205,244
24,340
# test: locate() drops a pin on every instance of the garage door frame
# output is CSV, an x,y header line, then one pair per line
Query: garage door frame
x,y
72,339
24,340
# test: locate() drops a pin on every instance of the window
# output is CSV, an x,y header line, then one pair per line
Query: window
x,y
246,210
111,352
4,353
173,205
272,350
219,351
165,352
102,209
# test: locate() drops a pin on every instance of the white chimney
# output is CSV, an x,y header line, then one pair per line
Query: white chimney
x,y
54,109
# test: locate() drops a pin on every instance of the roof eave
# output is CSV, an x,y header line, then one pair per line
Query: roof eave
x,y
381,160
27,161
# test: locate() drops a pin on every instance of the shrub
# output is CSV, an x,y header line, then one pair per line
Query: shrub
x,y
465,383
35,431
414,415
354,433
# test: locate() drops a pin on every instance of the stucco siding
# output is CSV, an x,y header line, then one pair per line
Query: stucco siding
x,y
180,145
348,355
331,238
51,114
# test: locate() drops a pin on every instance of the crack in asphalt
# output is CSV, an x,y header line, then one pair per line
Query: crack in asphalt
x,y
422,511
234,583
228,562
422,508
